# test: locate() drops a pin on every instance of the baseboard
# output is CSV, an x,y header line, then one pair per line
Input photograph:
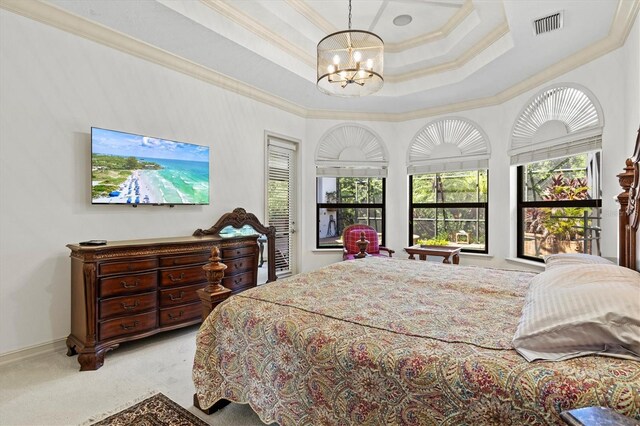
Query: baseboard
x,y
31,351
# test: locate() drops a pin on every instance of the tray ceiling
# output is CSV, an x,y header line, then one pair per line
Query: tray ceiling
x,y
453,52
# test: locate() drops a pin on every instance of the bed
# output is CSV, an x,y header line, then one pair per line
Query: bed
x,y
389,341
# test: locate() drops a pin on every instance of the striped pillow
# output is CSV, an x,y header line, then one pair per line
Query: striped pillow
x,y
579,310
563,259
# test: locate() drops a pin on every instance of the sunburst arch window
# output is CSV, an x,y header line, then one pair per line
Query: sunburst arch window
x,y
561,120
351,150
448,144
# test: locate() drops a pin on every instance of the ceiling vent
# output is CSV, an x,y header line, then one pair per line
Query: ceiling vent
x,y
548,23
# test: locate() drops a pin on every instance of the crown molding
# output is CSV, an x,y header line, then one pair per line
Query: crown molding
x,y
455,20
227,10
494,35
51,15
256,27
317,20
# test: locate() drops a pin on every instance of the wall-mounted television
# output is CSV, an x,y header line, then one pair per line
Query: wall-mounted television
x,y
133,169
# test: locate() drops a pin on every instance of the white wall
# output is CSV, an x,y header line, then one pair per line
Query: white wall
x,y
54,86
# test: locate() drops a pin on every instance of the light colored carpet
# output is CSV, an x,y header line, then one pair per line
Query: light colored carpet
x,y
50,389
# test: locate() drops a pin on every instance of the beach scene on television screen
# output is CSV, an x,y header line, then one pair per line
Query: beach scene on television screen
x,y
134,169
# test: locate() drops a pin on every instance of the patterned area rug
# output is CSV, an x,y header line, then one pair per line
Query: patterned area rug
x,y
157,410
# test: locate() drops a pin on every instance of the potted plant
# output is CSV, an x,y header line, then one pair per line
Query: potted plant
x,y
438,241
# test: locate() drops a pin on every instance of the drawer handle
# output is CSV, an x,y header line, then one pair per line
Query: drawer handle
x,y
238,281
172,317
126,285
129,307
175,280
238,265
129,327
176,298
237,251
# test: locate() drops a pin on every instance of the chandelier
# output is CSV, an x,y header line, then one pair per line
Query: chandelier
x,y
350,63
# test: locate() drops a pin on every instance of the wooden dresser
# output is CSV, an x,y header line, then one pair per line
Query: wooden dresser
x,y
127,290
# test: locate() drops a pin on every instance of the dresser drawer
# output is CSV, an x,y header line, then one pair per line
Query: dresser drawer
x,y
182,276
180,314
228,253
127,284
185,260
129,325
240,264
180,295
129,266
127,305
239,282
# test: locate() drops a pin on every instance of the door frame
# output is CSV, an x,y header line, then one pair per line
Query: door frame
x,y
296,238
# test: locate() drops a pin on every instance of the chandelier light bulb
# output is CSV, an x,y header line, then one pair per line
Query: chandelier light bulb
x,y
331,69
357,56
343,74
369,64
336,60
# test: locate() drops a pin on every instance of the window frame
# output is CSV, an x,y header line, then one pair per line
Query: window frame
x,y
381,206
445,205
521,205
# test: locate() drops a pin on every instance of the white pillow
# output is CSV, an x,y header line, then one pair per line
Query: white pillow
x,y
578,310
564,259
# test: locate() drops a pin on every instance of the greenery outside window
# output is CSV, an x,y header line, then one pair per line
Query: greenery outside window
x,y
450,208
559,204
344,201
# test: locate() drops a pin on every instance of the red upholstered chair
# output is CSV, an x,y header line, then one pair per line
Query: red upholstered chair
x,y
351,235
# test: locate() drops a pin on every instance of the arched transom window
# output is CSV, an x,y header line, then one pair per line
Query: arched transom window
x,y
448,144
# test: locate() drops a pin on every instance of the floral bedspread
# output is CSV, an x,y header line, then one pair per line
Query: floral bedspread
x,y
390,341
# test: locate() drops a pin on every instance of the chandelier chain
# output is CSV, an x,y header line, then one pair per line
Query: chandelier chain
x,y
349,14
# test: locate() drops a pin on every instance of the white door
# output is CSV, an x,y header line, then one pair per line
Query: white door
x,y
281,201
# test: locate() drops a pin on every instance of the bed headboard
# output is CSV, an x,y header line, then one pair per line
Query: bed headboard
x,y
629,213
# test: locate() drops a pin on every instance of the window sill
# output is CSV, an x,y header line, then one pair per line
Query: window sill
x,y
327,250
531,263
485,255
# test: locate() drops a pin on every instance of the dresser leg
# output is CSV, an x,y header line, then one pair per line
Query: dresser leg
x,y
71,348
92,360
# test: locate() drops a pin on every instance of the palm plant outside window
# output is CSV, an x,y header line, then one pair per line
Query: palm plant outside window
x,y
449,208
559,204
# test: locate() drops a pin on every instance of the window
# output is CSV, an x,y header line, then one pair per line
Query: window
x,y
344,201
559,206
450,208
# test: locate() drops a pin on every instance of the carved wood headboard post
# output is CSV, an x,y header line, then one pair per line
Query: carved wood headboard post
x,y
629,212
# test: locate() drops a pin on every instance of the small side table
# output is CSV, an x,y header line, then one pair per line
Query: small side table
x,y
444,251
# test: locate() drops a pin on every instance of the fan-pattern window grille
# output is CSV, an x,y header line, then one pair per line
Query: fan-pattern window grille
x,y
351,150
561,121
448,144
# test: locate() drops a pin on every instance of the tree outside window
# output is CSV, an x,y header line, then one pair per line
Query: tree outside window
x,y
344,201
449,208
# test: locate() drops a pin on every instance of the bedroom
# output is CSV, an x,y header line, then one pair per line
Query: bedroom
x,y
57,84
